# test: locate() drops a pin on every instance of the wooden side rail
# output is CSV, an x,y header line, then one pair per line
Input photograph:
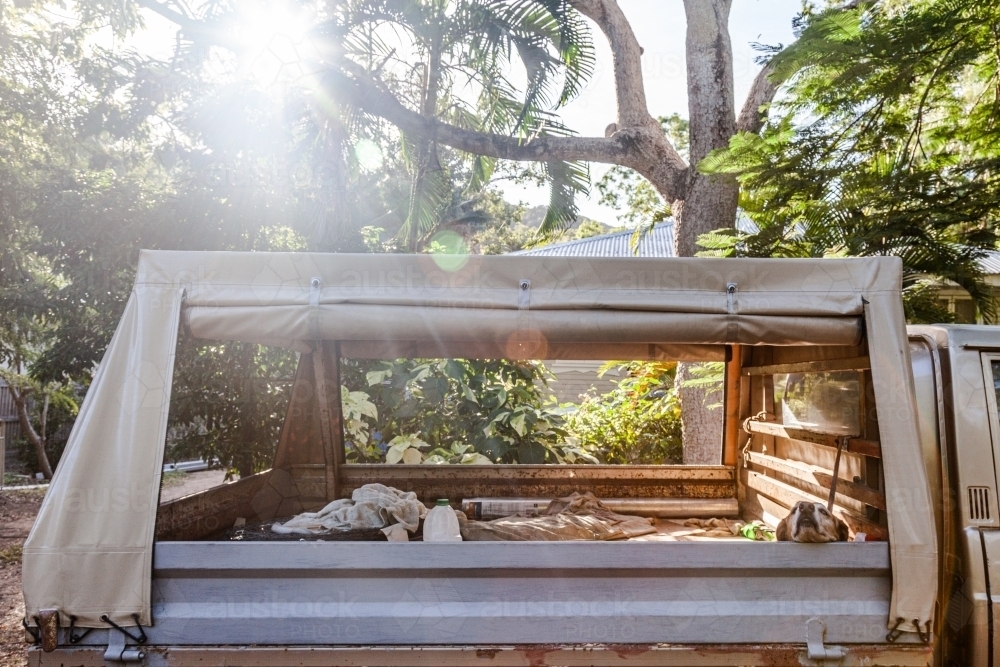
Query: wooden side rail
x,y
854,445
820,366
431,482
787,495
820,477
259,497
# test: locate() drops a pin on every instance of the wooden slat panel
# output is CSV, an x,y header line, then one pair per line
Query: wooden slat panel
x,y
851,364
819,477
259,497
788,495
431,482
854,445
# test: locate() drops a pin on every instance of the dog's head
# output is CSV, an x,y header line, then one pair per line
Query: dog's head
x,y
811,522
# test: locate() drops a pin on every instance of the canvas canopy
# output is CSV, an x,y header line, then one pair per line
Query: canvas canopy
x,y
90,550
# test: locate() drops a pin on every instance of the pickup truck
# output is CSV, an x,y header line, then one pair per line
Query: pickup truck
x,y
828,396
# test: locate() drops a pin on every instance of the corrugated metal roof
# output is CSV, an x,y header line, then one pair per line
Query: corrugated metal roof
x,y
658,243
991,263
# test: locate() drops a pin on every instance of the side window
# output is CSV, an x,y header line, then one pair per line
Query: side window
x,y
827,402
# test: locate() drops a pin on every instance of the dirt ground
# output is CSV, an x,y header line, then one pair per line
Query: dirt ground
x,y
177,485
17,513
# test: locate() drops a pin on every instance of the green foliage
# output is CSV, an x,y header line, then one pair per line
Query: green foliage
x,y
884,141
229,402
455,410
465,50
589,228
638,422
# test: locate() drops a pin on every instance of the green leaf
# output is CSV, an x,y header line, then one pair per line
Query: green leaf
x,y
517,423
377,377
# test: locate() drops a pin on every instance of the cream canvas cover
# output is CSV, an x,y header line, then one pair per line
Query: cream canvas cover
x,y
89,552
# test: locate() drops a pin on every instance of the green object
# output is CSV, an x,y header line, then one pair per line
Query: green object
x,y
442,502
758,531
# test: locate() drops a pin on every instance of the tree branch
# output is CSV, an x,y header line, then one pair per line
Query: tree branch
x,y
20,397
752,116
358,88
193,28
630,91
638,143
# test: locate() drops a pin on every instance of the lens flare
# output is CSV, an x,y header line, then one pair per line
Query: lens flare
x,y
448,250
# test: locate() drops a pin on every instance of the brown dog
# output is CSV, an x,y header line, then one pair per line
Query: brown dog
x,y
811,522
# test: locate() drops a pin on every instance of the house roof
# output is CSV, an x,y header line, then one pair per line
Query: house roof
x,y
658,243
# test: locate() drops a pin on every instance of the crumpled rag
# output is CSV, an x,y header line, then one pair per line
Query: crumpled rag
x,y
575,517
370,506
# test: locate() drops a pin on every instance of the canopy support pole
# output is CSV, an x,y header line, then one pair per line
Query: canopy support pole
x,y
330,413
731,431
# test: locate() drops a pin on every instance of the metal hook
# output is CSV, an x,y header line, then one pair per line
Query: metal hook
x,y
76,639
141,639
895,632
925,637
36,634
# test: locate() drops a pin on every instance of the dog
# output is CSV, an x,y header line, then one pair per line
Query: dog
x,y
811,522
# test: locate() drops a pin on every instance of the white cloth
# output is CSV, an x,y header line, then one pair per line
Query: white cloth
x,y
370,506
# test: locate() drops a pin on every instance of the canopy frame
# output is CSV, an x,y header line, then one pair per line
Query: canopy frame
x,y
90,551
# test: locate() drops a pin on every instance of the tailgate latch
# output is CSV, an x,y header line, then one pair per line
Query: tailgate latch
x,y
118,653
815,650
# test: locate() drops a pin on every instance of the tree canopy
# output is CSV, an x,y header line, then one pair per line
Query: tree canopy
x,y
882,141
383,126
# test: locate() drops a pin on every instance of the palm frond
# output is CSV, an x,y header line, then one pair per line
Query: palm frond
x,y
566,180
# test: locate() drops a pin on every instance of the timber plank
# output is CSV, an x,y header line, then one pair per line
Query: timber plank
x,y
820,477
819,366
860,446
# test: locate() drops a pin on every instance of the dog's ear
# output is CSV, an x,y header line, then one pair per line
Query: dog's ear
x,y
781,533
843,532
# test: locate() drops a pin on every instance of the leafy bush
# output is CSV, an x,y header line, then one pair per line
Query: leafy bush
x,y
453,411
229,402
638,422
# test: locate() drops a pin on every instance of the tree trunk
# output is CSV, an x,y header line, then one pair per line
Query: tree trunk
x,y
37,441
710,201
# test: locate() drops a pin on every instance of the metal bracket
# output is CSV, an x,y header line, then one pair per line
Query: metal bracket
x,y
523,294
118,652
815,650
315,287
